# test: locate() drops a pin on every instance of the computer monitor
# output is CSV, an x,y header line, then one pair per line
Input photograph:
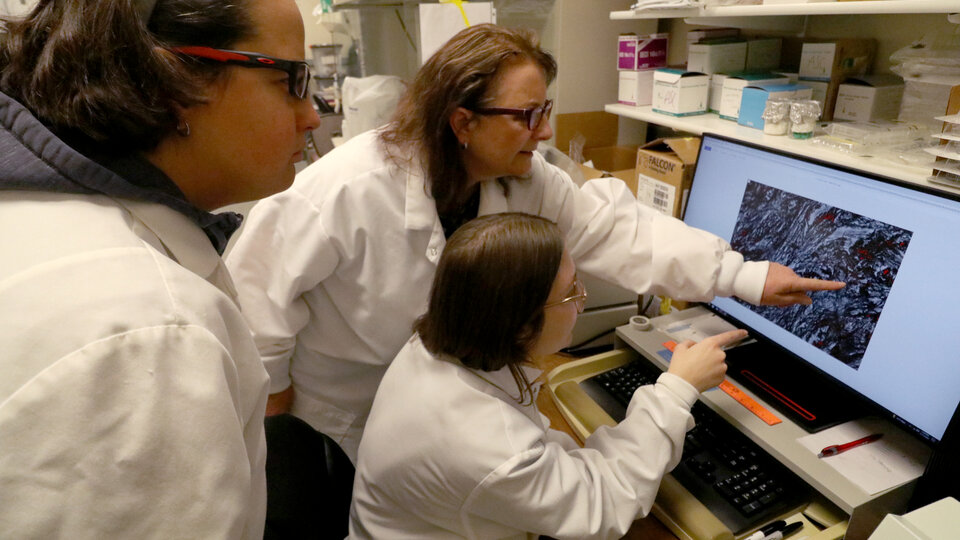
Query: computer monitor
x,y
892,336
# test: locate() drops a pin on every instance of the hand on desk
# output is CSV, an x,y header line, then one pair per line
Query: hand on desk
x,y
702,364
784,287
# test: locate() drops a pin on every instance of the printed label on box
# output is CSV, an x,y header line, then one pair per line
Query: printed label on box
x,y
627,52
656,194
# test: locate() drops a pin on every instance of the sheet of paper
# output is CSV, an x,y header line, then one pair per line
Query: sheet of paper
x,y
439,22
877,466
696,328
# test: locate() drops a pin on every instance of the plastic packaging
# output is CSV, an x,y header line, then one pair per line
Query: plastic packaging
x,y
804,114
776,117
877,133
369,102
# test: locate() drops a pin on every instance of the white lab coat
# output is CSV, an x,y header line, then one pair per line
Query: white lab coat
x,y
333,272
132,395
447,454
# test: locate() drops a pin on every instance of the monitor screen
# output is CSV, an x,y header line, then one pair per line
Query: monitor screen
x,y
892,334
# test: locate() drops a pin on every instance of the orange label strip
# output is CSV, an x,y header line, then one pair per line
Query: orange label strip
x,y
751,404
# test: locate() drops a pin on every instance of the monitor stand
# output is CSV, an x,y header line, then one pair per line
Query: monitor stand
x,y
796,390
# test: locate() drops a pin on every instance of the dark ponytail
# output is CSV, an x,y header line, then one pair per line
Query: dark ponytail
x,y
96,67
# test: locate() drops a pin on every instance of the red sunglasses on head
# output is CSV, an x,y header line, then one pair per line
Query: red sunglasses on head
x,y
298,71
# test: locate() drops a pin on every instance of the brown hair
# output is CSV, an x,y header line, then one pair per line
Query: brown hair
x,y
488,295
98,68
461,74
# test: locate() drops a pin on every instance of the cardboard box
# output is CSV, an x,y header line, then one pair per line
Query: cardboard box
x,y
818,88
716,92
616,161
664,172
636,87
754,100
763,54
869,97
599,131
642,52
707,34
732,90
680,93
833,62
718,56
824,61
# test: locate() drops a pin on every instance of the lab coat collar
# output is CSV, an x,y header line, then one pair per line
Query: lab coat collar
x,y
184,242
500,383
420,210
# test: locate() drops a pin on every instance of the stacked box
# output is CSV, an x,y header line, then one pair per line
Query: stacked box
x,y
732,90
830,63
720,56
869,97
680,93
641,52
636,87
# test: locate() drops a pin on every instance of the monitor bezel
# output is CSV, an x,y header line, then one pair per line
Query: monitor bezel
x,y
867,400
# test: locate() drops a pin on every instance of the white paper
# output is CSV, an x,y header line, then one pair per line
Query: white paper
x,y
889,462
696,328
439,23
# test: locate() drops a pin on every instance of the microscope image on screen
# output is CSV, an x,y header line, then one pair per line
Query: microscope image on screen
x,y
825,242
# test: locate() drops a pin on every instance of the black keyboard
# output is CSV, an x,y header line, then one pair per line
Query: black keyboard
x,y
733,477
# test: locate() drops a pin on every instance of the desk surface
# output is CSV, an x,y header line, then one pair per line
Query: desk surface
x,y
648,528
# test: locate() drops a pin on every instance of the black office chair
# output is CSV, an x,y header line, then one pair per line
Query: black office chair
x,y
309,482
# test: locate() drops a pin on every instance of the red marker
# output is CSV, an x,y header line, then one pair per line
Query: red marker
x,y
840,448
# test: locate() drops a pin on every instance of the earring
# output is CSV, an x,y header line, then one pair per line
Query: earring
x,y
183,128
463,145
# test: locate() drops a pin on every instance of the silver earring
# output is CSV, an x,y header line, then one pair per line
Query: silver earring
x,y
463,145
183,128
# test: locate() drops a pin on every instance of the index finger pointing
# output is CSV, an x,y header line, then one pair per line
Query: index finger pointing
x,y
728,338
810,284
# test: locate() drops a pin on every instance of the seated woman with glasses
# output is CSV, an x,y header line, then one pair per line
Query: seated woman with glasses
x,y
131,393
455,445
333,272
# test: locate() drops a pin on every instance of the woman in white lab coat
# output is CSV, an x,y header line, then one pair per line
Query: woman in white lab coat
x,y
131,393
332,272
455,446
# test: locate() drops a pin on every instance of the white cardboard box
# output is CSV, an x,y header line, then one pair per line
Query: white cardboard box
x,y
869,97
680,93
733,88
636,87
701,34
716,92
725,57
818,89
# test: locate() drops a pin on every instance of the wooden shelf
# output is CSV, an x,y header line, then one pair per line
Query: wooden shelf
x,y
866,7
712,123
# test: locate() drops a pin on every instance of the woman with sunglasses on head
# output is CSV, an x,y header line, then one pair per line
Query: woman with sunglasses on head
x,y
455,446
332,272
131,395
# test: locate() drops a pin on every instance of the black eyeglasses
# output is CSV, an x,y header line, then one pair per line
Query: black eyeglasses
x,y
298,71
533,116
